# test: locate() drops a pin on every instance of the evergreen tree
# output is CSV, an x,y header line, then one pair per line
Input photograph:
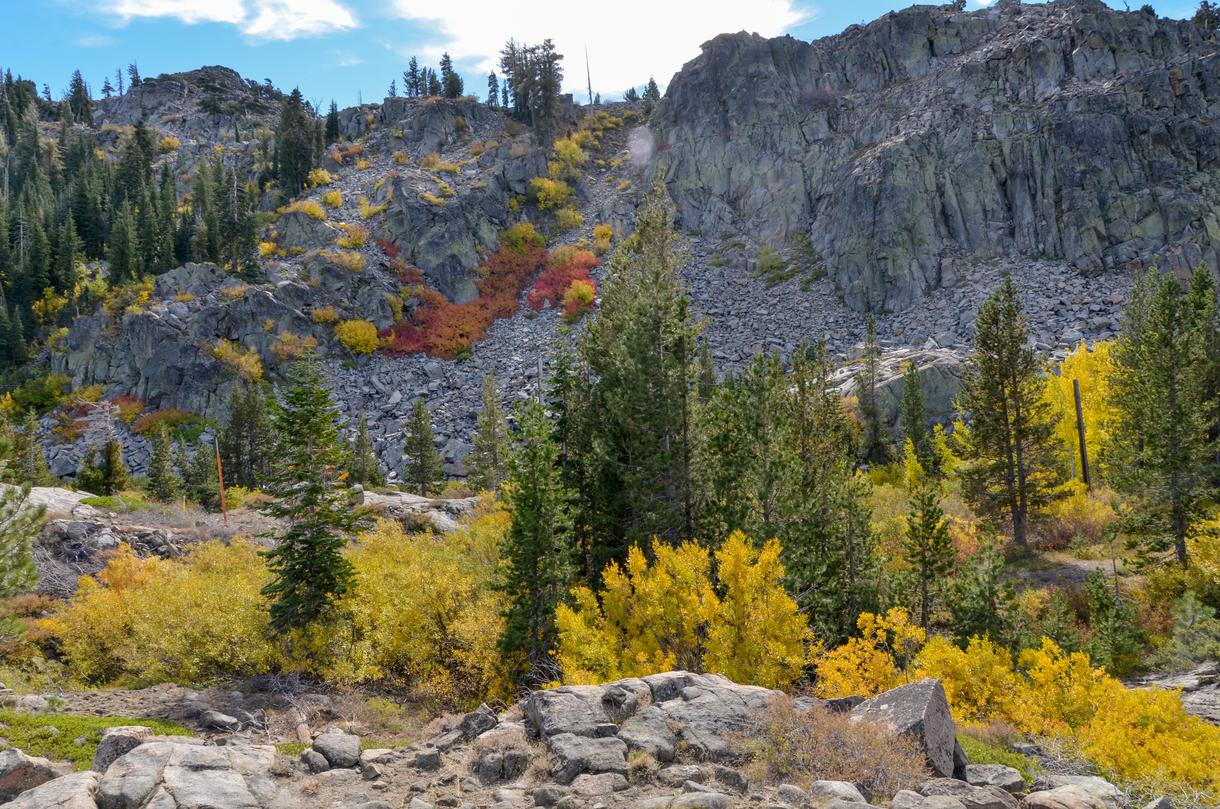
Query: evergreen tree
x,y
104,472
424,469
1165,411
31,461
451,82
875,449
651,91
912,418
133,75
363,466
393,91
294,144
1010,448
493,90
927,546
163,482
983,602
435,88
79,101
107,88
124,250
488,460
410,79
536,550
632,95
642,351
332,123
67,255
1114,641
20,524
308,569
247,438
201,478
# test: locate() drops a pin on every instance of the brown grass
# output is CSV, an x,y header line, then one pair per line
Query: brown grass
x,y
800,747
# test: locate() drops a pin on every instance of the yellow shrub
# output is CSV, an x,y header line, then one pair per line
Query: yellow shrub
x,y
367,210
424,611
568,219
568,160
402,158
550,193
345,259
320,177
147,621
324,314
602,236
355,236
362,164
1083,515
433,162
866,665
47,307
624,185
444,189
979,680
168,144
266,249
654,618
357,336
1094,370
307,207
245,363
235,291
332,199
1203,549
431,199
578,299
289,346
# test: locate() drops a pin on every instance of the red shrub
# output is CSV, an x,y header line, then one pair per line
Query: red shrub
x,y
565,265
389,248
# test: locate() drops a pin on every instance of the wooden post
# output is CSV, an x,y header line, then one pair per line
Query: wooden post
x,y
1084,451
220,476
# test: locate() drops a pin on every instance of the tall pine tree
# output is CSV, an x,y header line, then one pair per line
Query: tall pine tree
x,y
424,468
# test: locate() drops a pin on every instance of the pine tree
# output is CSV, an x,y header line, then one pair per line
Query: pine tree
x,y
642,351
363,466
1160,391
163,483
1114,641
133,75
20,524
201,478
424,469
124,249
912,418
493,90
488,460
410,79
104,472
107,88
247,438
451,82
79,101
393,91
332,123
983,602
67,256
31,461
875,449
308,569
293,144
927,546
1010,448
435,88
536,550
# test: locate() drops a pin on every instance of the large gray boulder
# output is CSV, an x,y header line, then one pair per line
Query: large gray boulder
x,y
117,742
19,772
1008,779
920,711
340,749
574,755
1073,792
165,774
73,791
970,796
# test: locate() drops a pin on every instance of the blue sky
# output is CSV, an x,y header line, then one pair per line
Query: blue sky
x,y
347,49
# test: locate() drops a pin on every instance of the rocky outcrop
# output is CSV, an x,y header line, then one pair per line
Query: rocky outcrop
x,y
169,774
920,711
908,148
1200,688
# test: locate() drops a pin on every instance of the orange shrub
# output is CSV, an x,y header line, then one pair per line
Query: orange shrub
x,y
565,265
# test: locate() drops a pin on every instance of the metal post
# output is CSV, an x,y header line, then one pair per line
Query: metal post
x,y
1084,451
220,475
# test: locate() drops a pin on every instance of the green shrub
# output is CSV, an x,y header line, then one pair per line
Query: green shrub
x,y
55,736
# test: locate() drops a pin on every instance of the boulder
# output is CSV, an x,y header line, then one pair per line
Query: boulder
x,y
1090,783
340,749
172,775
215,720
572,709
573,755
970,796
477,722
649,730
920,711
314,761
1008,779
1073,792
906,799
690,800
605,783
19,772
841,790
116,742
73,791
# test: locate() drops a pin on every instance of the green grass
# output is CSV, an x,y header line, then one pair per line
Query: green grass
x,y
980,752
31,734
291,749
123,502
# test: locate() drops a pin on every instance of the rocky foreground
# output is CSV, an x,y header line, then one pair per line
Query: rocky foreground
x,y
667,741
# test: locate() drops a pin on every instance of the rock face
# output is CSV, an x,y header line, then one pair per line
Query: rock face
x,y
177,775
906,148
19,772
918,710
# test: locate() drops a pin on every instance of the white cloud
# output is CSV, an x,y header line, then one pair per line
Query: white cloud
x,y
627,40
259,19
289,19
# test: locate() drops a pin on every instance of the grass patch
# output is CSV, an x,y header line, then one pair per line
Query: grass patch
x,y
292,749
980,752
123,502
32,734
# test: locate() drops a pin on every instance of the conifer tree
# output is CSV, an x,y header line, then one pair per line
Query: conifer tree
x,y
124,250
332,123
536,550
866,381
31,461
79,101
308,569
425,468
410,79
20,524
1165,410
488,460
363,466
393,91
451,82
107,88
912,418
927,546
493,90
247,438
983,601
293,144
104,472
1010,449
163,482
435,88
